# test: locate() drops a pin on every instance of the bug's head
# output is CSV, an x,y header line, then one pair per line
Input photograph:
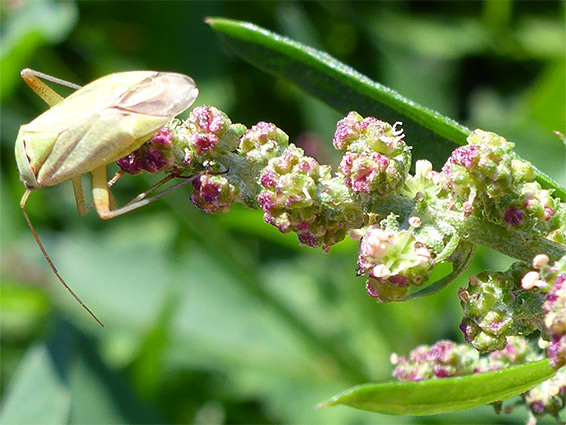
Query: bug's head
x,y
27,174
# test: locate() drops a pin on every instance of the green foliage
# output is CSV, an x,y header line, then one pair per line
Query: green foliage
x,y
221,319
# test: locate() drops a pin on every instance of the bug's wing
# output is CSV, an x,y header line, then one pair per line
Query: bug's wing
x,y
167,94
106,120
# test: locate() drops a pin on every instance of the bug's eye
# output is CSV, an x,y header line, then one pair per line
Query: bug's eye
x,y
165,94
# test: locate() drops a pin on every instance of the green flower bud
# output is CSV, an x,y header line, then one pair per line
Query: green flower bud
x,y
262,142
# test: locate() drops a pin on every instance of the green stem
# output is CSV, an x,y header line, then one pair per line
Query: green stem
x,y
514,243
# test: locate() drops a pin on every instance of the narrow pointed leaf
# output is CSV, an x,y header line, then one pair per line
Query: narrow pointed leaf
x,y
445,395
432,135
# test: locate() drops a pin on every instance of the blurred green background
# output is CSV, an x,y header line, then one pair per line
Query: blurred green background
x,y
222,319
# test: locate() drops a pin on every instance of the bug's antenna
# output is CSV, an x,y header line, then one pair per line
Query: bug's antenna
x,y
23,207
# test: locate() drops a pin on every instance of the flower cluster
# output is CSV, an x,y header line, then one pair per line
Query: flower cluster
x,y
486,177
208,133
405,224
376,159
188,145
444,359
393,259
495,306
555,320
548,398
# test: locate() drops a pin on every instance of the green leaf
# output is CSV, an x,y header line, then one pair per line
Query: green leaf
x,y
36,394
445,395
432,135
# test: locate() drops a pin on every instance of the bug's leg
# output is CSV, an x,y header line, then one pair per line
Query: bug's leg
x,y
102,196
152,189
116,177
79,196
42,248
49,96
79,193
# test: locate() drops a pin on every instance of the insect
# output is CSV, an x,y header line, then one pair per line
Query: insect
x,y
93,127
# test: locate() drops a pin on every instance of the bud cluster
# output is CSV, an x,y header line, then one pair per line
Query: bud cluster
x,y
300,195
548,398
487,178
263,142
207,134
258,167
405,224
376,160
495,307
155,156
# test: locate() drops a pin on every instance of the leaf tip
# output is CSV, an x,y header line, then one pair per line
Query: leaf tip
x,y
333,401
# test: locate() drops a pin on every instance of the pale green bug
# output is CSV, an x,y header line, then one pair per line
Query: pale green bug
x,y
93,127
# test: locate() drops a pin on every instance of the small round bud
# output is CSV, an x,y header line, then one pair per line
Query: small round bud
x,y
213,193
423,168
540,260
262,142
529,280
